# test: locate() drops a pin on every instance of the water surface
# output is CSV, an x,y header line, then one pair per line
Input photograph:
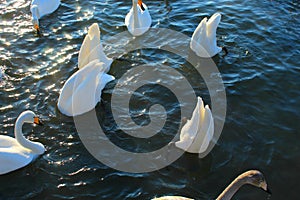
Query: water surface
x,y
260,73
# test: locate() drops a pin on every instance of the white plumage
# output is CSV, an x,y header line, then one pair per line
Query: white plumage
x,y
196,134
138,20
18,152
204,41
92,49
82,91
39,8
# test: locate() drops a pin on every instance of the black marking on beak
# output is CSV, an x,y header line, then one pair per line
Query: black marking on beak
x,y
140,2
38,32
38,121
142,7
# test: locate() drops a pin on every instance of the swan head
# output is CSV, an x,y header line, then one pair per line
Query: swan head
x,y
256,178
140,3
30,117
35,18
36,26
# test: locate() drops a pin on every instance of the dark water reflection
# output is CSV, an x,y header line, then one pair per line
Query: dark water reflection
x,y
260,73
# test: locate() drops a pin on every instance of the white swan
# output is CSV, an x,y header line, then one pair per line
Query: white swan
x,y
92,49
82,91
204,40
138,20
39,8
18,152
252,177
196,134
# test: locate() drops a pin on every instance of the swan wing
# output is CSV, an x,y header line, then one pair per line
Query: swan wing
x,y
12,155
46,6
82,92
12,160
103,79
92,49
6,141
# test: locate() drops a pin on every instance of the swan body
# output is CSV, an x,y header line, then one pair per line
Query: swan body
x,y
39,8
82,91
252,177
92,49
138,20
204,41
18,152
196,134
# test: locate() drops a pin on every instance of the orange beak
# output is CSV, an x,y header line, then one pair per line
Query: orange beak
x,y
37,121
37,28
140,2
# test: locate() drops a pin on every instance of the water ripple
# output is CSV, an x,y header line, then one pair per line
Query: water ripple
x,y
260,73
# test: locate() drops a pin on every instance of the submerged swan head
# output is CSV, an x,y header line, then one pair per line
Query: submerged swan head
x,y
204,41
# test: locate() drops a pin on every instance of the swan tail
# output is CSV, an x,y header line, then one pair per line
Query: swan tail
x,y
212,25
94,31
92,49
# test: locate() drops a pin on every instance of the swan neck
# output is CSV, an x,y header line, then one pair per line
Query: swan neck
x,y
34,147
135,14
231,189
35,12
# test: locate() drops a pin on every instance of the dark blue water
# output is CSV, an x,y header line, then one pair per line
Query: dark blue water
x,y
260,74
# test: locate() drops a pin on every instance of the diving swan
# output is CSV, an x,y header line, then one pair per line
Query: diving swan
x,y
196,134
204,40
92,49
82,91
